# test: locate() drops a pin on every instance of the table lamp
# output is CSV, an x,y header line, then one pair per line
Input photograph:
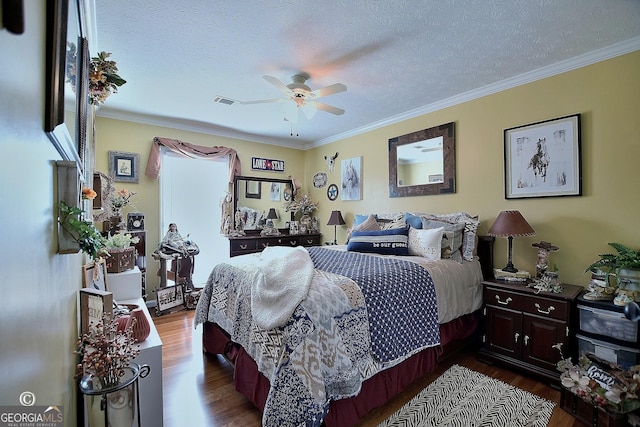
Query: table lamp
x,y
510,224
270,229
335,219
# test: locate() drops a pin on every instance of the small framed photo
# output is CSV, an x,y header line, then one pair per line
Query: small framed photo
x,y
543,159
276,191
169,298
95,306
253,190
124,167
294,227
94,275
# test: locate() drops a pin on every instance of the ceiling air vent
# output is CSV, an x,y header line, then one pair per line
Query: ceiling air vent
x,y
223,100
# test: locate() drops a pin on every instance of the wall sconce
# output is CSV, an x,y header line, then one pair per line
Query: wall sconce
x,y
335,219
510,224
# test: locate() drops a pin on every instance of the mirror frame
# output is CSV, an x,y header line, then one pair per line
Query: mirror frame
x,y
447,132
236,192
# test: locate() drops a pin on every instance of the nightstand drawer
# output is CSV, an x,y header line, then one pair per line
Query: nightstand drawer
x,y
555,309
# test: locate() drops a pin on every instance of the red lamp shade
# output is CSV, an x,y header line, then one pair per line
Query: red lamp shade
x,y
510,224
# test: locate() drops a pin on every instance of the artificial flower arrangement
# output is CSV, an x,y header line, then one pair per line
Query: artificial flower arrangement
x,y
121,198
602,384
106,351
103,75
303,205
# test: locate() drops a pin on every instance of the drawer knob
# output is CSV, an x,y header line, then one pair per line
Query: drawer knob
x,y
549,310
505,302
243,246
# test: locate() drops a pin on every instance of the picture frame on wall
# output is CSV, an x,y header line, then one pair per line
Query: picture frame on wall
x,y
351,179
124,167
67,80
95,306
543,159
94,275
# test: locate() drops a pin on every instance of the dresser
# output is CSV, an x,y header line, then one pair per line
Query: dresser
x,y
256,243
522,326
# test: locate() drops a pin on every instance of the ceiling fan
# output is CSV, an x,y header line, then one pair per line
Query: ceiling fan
x,y
302,96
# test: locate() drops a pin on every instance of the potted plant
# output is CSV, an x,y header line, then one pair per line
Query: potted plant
x,y
121,253
625,267
83,232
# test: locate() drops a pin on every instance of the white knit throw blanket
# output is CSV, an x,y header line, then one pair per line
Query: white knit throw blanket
x,y
282,276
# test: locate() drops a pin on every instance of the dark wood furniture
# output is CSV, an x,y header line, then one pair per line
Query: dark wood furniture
x,y
141,257
256,243
521,326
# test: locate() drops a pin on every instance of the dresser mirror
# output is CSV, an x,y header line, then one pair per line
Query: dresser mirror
x,y
423,163
254,196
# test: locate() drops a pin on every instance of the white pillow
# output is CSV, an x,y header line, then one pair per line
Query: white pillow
x,y
426,243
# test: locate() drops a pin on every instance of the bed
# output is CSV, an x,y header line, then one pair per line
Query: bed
x,y
363,327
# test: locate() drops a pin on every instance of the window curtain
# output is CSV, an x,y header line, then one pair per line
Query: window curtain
x,y
188,150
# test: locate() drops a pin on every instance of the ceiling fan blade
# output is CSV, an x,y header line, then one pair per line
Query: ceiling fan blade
x,y
329,108
230,101
262,101
277,83
329,90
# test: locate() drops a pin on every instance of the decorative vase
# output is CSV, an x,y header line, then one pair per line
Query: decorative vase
x,y
118,404
141,328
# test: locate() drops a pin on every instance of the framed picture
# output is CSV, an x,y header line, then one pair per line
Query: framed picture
x,y
543,159
253,189
124,167
67,79
169,298
294,227
436,178
351,179
276,191
94,306
94,275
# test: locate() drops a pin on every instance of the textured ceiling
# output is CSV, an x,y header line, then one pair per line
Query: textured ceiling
x,y
397,58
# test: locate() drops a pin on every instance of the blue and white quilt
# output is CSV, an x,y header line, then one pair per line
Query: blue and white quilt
x,y
362,314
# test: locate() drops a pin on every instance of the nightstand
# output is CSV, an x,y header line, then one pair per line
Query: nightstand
x,y
522,326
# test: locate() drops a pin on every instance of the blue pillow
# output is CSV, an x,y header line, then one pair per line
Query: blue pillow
x,y
412,220
359,219
385,242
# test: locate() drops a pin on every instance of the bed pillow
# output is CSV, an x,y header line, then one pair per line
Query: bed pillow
x,y
368,224
385,242
451,238
470,230
359,219
413,220
425,243
396,221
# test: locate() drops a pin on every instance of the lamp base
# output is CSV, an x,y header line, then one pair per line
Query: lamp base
x,y
510,268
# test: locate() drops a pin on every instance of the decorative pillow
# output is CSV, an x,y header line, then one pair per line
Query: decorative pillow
x,y
413,220
359,219
425,243
369,224
393,222
451,238
385,242
470,230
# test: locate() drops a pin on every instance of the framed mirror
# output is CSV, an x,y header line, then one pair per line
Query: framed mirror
x,y
423,163
254,203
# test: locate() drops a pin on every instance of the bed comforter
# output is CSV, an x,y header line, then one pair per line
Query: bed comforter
x,y
362,314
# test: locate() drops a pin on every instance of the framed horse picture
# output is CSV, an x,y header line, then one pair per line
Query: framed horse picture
x,y
543,159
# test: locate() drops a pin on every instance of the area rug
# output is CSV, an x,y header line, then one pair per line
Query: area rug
x,y
462,397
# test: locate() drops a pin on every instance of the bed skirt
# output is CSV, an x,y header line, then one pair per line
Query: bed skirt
x,y
375,391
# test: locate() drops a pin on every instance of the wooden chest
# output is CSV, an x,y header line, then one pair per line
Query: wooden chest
x,y
121,260
589,414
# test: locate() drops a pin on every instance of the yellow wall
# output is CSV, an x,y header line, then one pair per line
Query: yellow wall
x,y
118,135
606,94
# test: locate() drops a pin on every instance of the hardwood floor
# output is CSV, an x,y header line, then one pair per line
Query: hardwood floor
x,y
199,392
